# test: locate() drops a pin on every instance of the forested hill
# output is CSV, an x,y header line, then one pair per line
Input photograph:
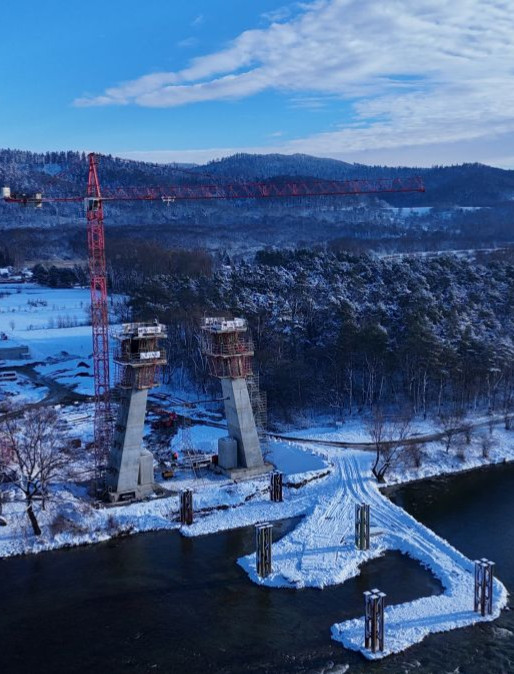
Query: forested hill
x,y
66,173
463,206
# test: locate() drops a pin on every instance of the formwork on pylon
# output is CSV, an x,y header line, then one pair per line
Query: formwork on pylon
x,y
138,357
228,345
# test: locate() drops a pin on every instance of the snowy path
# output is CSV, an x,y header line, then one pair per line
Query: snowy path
x,y
415,439
321,551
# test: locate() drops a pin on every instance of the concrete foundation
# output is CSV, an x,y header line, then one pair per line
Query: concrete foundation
x,y
242,474
241,423
130,470
227,453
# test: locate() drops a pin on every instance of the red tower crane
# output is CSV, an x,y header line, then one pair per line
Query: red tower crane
x,y
99,316
94,200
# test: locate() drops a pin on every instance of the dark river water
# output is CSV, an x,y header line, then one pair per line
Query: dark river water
x,y
161,603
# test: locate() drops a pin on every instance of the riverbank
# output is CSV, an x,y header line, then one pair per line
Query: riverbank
x,y
161,602
71,519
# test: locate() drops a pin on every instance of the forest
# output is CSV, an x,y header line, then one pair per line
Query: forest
x,y
463,206
346,333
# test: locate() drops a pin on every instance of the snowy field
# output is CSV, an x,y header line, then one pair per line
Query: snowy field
x,y
28,307
22,391
434,458
54,324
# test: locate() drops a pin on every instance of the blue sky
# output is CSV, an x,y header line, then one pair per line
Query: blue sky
x,y
394,82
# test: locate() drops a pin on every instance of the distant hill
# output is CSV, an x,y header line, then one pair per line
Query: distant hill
x,y
462,201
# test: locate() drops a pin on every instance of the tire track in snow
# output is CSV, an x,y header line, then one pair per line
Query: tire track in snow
x,y
321,551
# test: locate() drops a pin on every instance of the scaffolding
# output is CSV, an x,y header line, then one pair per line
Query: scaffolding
x,y
259,402
139,354
228,346
187,447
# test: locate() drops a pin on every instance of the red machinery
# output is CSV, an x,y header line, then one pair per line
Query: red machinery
x,y
166,419
168,194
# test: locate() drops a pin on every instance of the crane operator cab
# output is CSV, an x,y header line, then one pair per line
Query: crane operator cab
x,y
91,204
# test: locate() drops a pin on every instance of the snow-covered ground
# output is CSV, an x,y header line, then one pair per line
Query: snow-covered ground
x,y
22,391
70,518
321,551
28,307
434,459
322,485
54,324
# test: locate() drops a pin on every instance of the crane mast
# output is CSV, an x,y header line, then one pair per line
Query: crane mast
x,y
99,319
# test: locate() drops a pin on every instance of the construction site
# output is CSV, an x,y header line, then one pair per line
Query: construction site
x,y
124,471
155,461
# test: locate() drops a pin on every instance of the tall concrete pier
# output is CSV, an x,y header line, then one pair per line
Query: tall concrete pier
x,y
139,354
229,350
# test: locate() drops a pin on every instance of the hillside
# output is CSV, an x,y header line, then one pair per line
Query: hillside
x,y
463,206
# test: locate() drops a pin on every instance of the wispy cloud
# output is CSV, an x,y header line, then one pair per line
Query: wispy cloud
x,y
188,42
279,14
416,73
310,102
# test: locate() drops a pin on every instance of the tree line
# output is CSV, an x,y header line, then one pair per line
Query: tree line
x,y
350,332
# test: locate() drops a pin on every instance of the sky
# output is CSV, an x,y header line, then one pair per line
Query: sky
x,y
397,82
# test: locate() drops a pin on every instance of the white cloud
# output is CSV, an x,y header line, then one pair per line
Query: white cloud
x,y
188,42
282,13
416,73
198,20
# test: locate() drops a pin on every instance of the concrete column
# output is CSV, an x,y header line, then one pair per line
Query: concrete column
x,y
123,476
241,423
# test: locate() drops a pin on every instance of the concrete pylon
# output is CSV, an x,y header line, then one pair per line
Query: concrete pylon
x,y
130,468
229,350
241,422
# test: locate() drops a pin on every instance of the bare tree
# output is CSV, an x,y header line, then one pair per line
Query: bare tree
x,y
450,426
3,452
414,454
460,447
388,436
35,443
491,424
467,430
486,443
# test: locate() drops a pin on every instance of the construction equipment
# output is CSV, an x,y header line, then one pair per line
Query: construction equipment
x,y
93,200
166,419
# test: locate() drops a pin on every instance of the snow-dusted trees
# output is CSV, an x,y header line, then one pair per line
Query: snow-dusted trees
x,y
33,444
356,332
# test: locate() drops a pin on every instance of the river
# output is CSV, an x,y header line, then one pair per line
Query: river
x,y
161,603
